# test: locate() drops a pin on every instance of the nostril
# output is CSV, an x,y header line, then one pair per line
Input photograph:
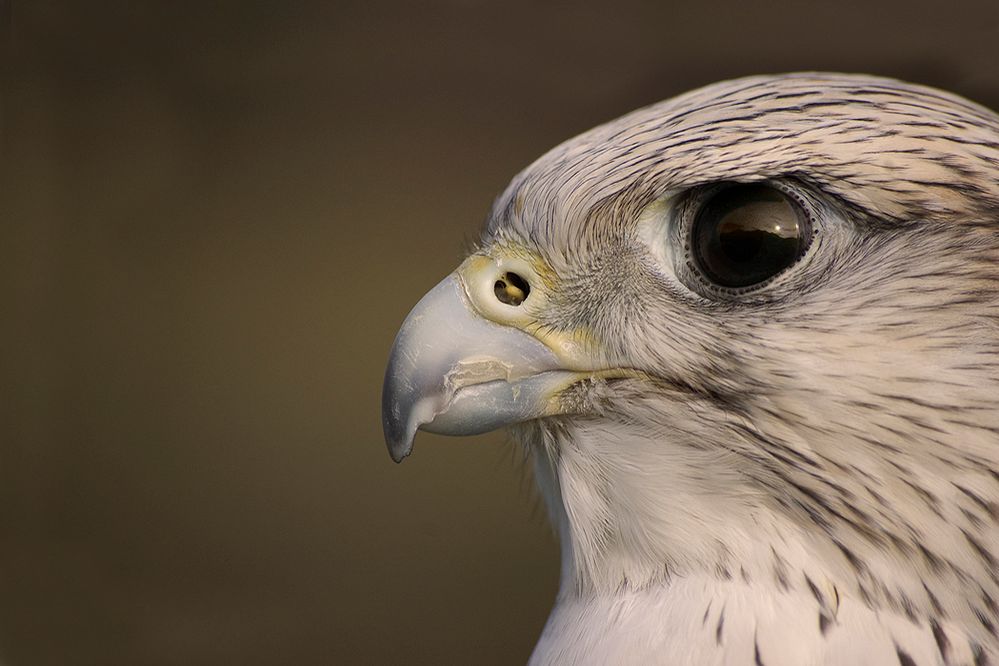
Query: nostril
x,y
511,289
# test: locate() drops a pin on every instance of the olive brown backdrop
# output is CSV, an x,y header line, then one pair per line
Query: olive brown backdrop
x,y
215,215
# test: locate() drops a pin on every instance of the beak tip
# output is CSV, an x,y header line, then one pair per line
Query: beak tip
x,y
397,421
399,434
399,447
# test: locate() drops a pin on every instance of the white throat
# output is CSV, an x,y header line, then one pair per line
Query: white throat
x,y
670,555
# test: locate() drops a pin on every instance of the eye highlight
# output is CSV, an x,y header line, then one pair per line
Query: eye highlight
x,y
743,235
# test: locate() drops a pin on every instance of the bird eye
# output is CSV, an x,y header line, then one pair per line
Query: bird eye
x,y
745,234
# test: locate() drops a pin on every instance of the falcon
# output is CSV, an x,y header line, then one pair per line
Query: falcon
x,y
750,339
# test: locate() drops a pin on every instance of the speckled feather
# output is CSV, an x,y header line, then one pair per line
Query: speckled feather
x,y
806,474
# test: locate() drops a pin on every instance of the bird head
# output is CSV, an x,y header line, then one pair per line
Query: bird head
x,y
757,323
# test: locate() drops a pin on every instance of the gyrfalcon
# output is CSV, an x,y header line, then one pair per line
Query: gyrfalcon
x,y
750,338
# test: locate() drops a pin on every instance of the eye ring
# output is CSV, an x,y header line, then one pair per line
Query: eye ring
x,y
739,237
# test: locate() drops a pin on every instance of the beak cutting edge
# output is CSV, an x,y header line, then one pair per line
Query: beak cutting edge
x,y
454,372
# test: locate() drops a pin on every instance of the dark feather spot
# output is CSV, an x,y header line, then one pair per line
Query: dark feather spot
x,y
757,660
780,570
930,558
824,623
721,625
907,607
943,645
815,591
989,602
903,657
981,659
987,506
980,549
857,564
985,621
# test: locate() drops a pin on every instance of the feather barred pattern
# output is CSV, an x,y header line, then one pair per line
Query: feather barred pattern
x,y
895,150
804,474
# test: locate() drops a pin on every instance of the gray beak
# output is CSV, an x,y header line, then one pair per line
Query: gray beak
x,y
454,372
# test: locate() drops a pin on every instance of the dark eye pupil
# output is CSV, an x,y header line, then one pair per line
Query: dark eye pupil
x,y
746,234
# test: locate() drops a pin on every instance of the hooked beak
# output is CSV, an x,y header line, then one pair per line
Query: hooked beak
x,y
456,371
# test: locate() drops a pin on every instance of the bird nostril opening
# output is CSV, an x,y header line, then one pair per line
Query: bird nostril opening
x,y
511,289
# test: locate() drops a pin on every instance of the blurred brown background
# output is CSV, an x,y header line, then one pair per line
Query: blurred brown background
x,y
214,217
